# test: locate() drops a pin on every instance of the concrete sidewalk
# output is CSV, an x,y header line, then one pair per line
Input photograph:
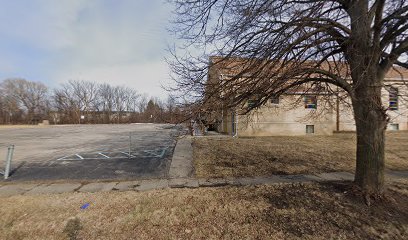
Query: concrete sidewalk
x,y
182,162
144,185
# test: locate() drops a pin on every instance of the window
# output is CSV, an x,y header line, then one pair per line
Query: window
x,y
251,103
311,102
394,126
309,129
274,100
393,98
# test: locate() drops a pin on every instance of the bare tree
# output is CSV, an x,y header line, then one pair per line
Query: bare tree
x,y
22,100
142,104
106,100
132,102
3,111
85,93
32,96
281,45
120,100
66,106
97,102
153,111
77,98
10,111
171,110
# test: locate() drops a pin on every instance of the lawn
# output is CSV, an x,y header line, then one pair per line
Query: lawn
x,y
259,156
285,211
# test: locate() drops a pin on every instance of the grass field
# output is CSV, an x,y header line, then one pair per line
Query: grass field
x,y
259,156
286,211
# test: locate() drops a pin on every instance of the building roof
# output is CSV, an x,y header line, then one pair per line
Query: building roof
x,y
235,65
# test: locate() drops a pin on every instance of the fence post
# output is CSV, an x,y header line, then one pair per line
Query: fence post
x,y
10,152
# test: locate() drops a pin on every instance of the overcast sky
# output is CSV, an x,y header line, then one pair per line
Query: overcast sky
x,y
121,42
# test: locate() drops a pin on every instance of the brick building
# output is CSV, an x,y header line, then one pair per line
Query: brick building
x,y
307,112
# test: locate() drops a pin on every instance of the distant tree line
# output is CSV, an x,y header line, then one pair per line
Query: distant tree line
x,y
80,102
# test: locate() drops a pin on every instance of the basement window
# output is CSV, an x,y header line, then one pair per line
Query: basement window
x,y
310,102
394,126
393,94
251,103
309,129
274,100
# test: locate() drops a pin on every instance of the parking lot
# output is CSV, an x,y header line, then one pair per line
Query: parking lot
x,y
80,152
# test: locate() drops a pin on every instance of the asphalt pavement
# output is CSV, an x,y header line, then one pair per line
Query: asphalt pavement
x,y
85,152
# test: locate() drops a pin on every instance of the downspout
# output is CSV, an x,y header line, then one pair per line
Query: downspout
x,y
236,125
221,78
222,118
337,111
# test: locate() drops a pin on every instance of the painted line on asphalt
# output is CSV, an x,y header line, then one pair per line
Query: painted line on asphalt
x,y
103,155
156,153
129,155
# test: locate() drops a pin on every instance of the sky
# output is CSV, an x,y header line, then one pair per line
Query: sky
x,y
121,42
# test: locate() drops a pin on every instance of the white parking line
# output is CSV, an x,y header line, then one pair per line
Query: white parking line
x,y
103,155
127,154
156,153
62,158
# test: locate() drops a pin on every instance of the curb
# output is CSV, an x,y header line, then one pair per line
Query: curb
x,y
182,161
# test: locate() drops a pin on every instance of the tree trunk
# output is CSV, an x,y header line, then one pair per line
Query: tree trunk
x,y
370,116
30,116
371,122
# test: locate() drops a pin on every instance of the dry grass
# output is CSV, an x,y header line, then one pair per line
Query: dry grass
x,y
287,211
21,126
236,157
